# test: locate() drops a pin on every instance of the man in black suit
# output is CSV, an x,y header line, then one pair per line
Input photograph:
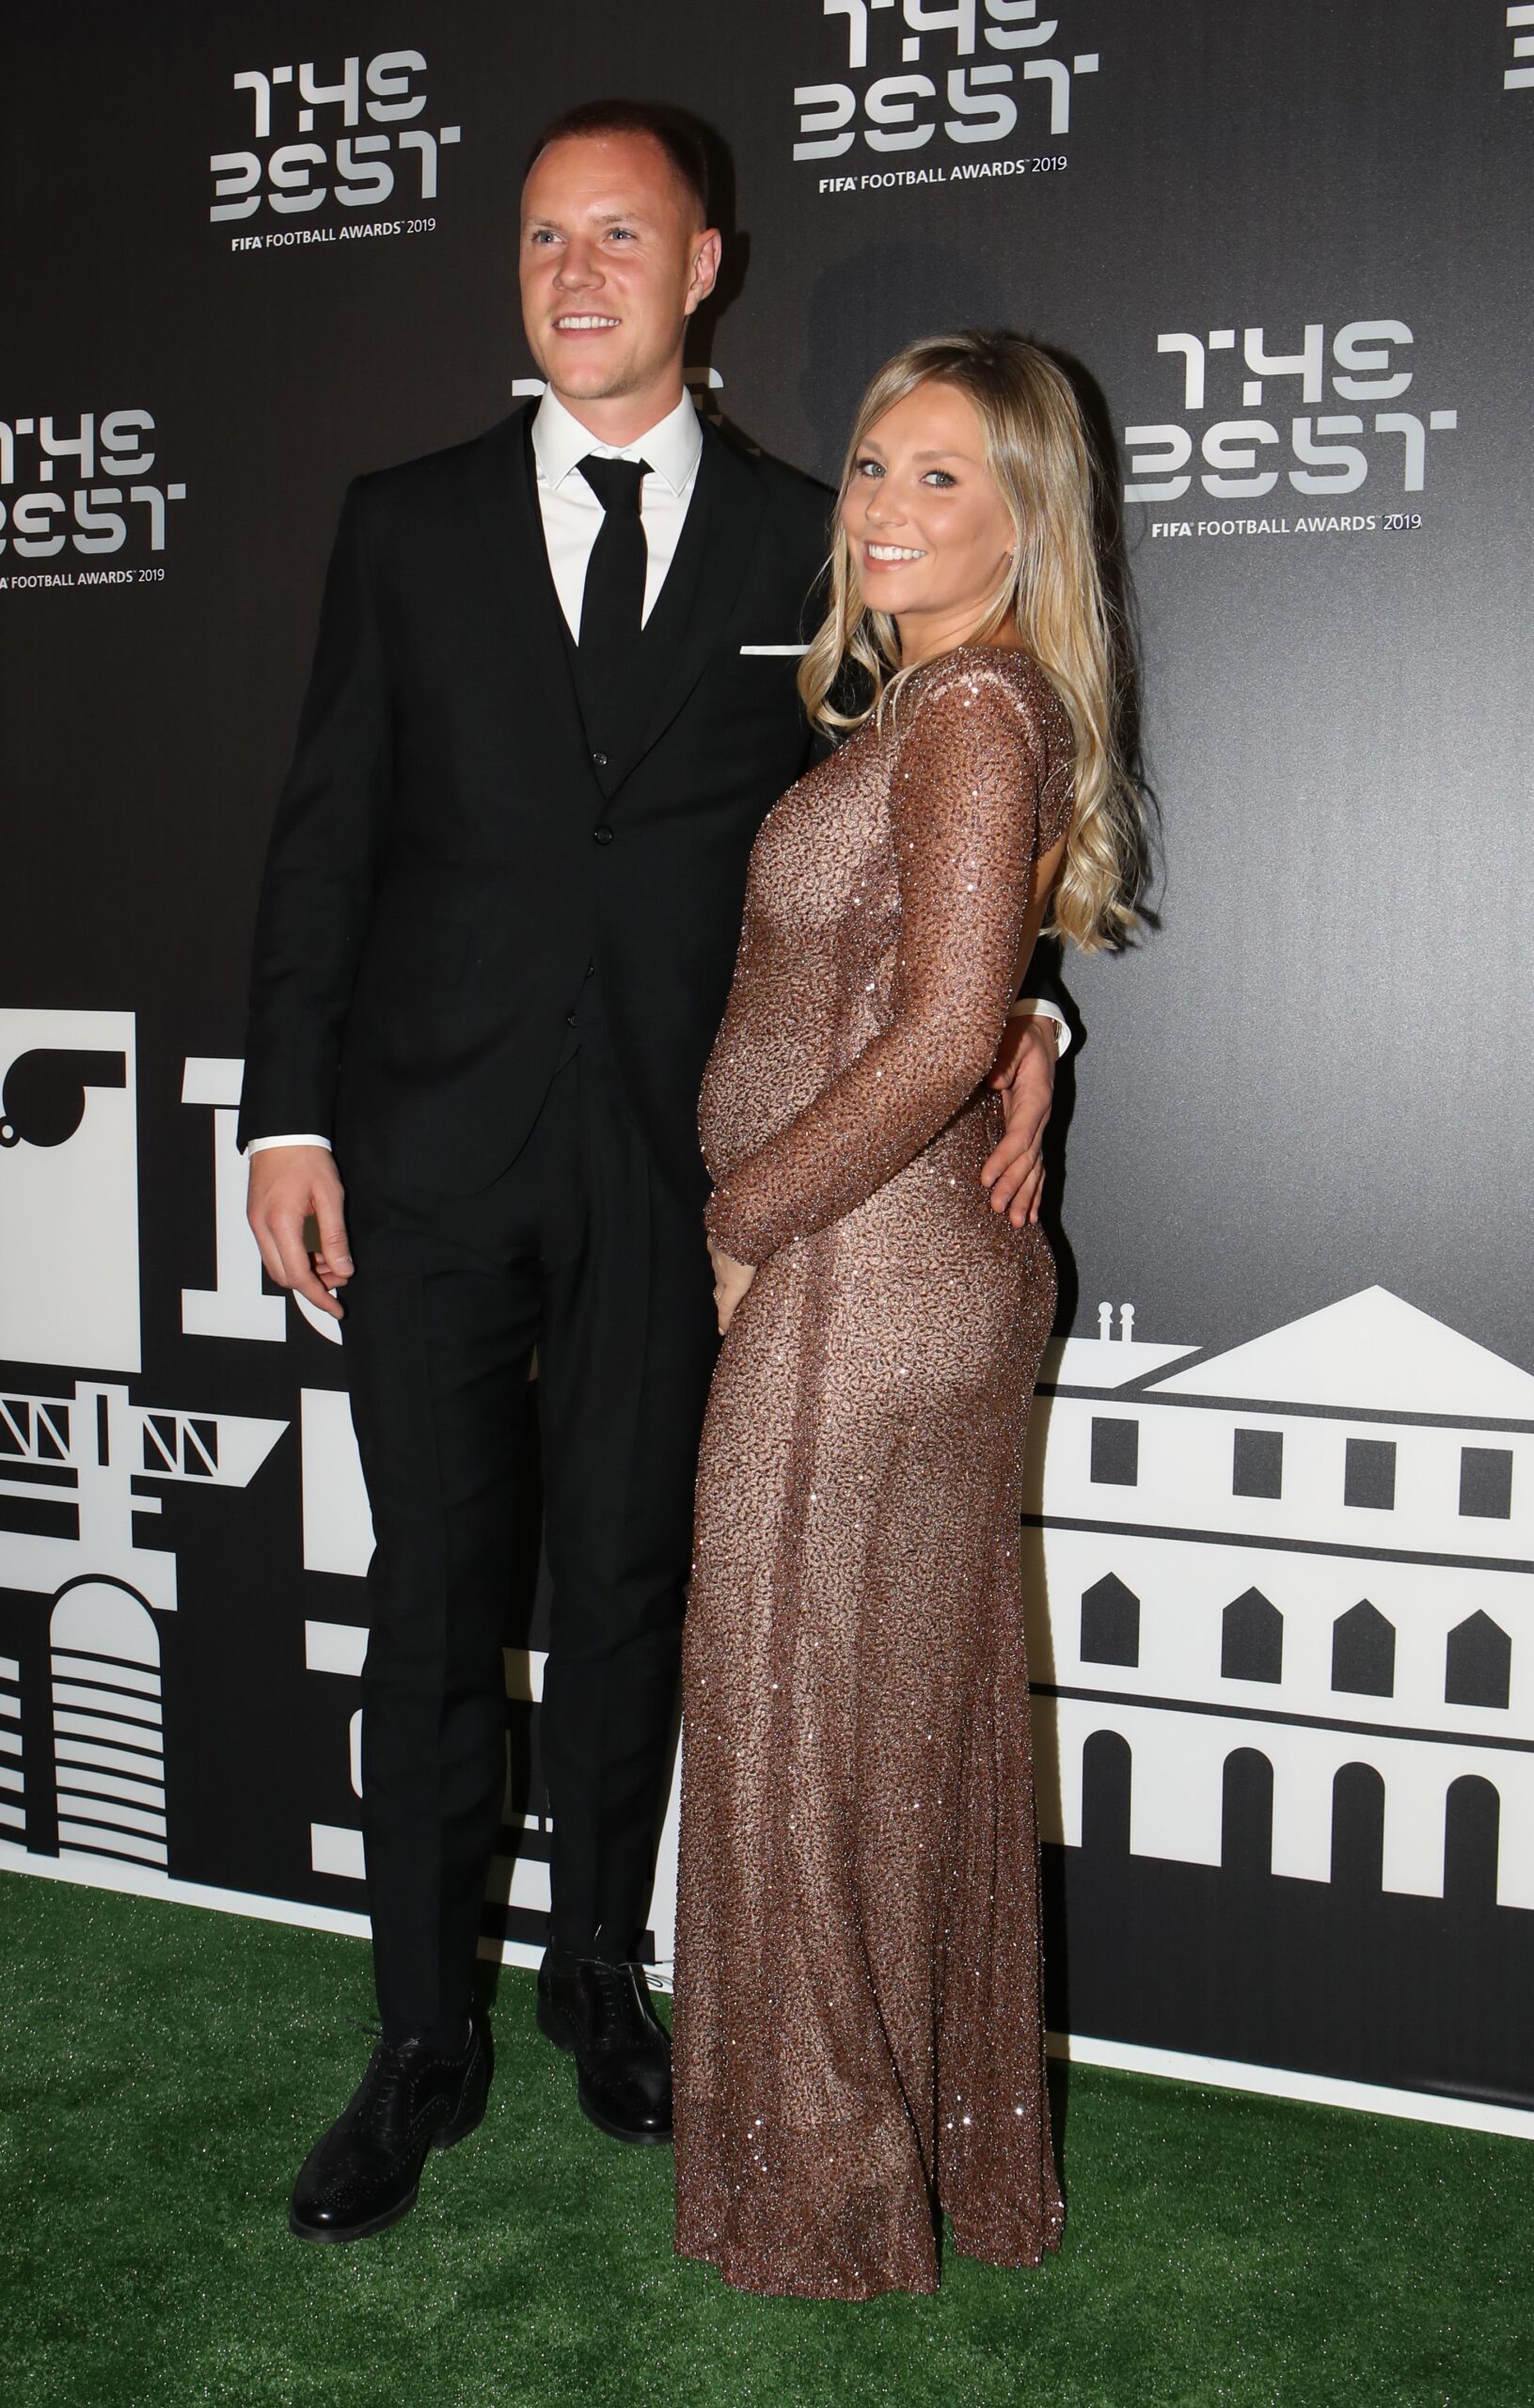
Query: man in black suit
x,y
553,698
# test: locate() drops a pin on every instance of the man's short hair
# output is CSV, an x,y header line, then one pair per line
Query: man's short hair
x,y
678,137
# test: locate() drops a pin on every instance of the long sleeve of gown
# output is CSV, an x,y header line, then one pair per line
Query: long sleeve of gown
x,y
964,820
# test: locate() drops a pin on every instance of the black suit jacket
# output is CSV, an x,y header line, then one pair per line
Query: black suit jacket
x,y
449,854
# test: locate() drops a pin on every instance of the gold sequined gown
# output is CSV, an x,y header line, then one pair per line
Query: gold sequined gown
x,y
858,2016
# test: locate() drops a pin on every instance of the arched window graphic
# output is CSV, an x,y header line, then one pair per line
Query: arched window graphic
x,y
1472,1825
1246,1819
1478,1669
108,1748
1251,1638
1363,1652
1358,1829
1109,1623
1106,1773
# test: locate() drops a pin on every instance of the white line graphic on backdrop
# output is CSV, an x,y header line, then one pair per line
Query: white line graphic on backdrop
x,y
1316,1547
12,1779
69,1190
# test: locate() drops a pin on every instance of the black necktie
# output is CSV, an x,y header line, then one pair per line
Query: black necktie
x,y
612,607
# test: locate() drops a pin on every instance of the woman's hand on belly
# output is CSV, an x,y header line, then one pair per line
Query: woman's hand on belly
x,y
731,1281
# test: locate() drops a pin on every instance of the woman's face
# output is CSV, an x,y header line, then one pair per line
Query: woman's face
x,y
929,532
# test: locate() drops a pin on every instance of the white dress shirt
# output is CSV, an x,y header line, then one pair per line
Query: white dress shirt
x,y
572,515
572,519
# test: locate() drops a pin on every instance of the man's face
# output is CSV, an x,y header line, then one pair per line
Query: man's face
x,y
613,264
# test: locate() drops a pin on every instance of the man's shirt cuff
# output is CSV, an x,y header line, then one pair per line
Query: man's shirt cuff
x,y
264,1145
1038,1007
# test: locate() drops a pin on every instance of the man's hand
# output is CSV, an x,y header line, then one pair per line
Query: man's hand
x,y
731,1281
1024,1077
289,1185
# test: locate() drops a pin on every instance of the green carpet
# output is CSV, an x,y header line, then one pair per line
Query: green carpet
x,y
163,2072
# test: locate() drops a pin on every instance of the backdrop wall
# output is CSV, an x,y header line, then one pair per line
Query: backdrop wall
x,y
1284,1512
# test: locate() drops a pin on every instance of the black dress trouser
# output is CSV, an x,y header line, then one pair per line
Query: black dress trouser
x,y
581,1249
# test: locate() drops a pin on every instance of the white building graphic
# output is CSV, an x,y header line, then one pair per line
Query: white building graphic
x,y
1316,1547
84,1460
73,1469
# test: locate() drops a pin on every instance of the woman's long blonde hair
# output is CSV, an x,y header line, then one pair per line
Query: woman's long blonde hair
x,y
1037,451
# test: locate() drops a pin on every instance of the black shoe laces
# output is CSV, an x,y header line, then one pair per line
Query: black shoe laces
x,y
625,1995
387,2085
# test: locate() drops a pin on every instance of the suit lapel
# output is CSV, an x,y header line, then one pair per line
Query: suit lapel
x,y
695,603
509,530
694,606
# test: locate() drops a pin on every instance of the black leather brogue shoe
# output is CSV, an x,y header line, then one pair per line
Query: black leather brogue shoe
x,y
603,2015
364,2173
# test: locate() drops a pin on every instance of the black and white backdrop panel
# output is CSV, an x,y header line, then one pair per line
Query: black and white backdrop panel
x,y
1283,1518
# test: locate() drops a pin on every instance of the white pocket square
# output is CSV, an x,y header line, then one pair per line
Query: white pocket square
x,y
774,651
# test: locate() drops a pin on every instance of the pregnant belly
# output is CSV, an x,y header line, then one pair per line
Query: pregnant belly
x,y
751,1088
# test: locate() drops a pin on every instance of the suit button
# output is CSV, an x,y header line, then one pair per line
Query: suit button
x,y
600,759
603,835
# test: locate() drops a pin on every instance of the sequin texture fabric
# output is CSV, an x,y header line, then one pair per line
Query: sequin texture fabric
x,y
859,2018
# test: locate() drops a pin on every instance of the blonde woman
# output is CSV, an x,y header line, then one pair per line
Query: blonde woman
x,y
859,2021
